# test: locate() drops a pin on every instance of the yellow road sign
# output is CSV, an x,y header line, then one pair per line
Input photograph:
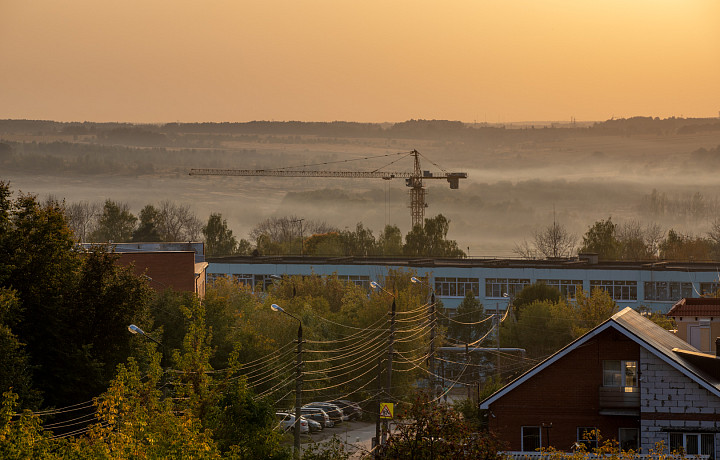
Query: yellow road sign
x,y
386,410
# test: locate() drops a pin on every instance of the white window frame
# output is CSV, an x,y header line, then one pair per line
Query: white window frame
x,y
568,288
700,436
522,438
496,288
623,290
623,372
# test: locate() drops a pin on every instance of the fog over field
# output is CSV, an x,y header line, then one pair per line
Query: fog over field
x,y
519,179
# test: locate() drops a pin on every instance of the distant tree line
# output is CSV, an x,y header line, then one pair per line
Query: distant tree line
x,y
627,241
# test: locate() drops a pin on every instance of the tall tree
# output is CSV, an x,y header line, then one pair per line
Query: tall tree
x,y
116,223
551,241
219,239
601,238
390,241
81,218
147,230
431,240
470,322
178,222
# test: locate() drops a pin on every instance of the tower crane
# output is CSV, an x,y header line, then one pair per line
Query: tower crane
x,y
413,179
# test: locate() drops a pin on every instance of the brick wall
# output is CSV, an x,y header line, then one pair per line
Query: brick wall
x,y
174,270
565,394
671,401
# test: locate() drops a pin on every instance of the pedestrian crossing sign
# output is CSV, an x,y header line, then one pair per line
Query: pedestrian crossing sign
x,y
386,410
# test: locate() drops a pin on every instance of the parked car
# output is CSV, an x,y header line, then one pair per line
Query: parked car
x,y
286,422
336,414
313,425
318,415
351,409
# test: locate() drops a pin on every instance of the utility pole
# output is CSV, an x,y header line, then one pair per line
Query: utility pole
x,y
298,393
391,341
431,360
377,412
468,378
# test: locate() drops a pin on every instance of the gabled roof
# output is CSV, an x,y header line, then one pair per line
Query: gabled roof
x,y
695,307
648,335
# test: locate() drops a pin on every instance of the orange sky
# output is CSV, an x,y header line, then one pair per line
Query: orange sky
x,y
317,60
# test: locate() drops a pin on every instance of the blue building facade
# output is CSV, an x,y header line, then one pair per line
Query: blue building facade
x,y
656,285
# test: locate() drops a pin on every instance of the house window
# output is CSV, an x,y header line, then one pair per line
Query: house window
x,y
587,435
498,287
456,287
693,443
628,439
566,287
358,280
667,290
618,290
531,438
618,373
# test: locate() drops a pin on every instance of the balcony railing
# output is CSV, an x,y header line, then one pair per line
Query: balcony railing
x,y
619,397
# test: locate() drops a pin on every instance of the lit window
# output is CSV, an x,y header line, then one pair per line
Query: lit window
x,y
620,373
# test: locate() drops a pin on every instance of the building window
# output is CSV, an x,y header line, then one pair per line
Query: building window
x,y
566,287
456,287
693,443
628,439
709,288
620,373
498,287
531,438
245,280
667,290
587,435
618,290
359,280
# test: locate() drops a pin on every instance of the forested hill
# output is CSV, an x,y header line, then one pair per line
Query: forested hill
x,y
421,129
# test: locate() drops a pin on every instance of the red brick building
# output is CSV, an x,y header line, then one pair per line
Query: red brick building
x,y
175,270
628,379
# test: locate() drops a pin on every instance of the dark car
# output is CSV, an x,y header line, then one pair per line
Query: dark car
x,y
335,413
317,415
351,409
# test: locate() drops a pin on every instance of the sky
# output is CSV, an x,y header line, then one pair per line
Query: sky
x,y
495,61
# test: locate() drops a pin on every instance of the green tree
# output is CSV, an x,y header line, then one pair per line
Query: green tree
x,y
543,328
601,239
219,239
147,230
116,223
390,241
535,292
431,240
678,246
591,310
470,322
429,430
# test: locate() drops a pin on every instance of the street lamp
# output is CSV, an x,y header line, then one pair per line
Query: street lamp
x,y
136,330
298,378
391,341
433,322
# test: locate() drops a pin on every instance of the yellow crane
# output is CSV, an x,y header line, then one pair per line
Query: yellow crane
x,y
413,179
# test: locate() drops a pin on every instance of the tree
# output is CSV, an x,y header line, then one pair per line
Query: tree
x,y
81,218
591,310
679,246
390,241
116,223
543,328
470,322
283,233
147,230
601,239
534,292
429,430
551,242
177,222
219,239
431,240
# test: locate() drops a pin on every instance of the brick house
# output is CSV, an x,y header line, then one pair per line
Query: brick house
x,y
628,379
698,322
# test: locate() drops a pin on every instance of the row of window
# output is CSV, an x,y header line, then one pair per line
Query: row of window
x,y
687,443
508,287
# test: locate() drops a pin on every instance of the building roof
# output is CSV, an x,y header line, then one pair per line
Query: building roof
x,y
699,367
695,307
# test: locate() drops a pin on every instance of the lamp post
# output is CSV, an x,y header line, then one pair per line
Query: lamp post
x,y
298,379
136,330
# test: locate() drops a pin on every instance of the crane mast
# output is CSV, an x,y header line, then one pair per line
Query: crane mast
x,y
413,179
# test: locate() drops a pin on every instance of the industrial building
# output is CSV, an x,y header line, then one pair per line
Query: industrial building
x,y
657,285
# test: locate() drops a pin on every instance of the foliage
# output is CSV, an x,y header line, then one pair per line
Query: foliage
x,y
472,314
429,430
116,223
678,246
390,241
334,449
431,240
535,292
219,239
147,230
601,239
